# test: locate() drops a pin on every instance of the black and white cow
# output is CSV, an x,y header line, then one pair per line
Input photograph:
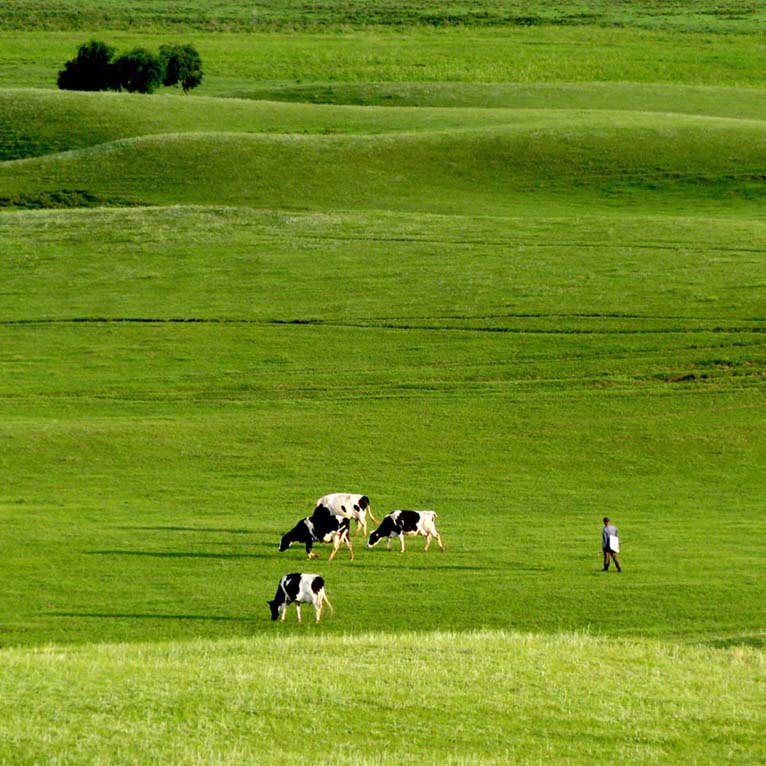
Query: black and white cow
x,y
401,523
350,507
299,588
322,526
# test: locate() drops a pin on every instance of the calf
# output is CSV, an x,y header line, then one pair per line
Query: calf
x,y
299,588
321,527
401,523
350,507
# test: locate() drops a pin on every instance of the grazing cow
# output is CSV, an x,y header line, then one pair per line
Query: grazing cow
x,y
350,507
299,588
321,527
401,523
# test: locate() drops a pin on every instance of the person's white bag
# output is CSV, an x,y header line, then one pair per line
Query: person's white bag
x,y
614,543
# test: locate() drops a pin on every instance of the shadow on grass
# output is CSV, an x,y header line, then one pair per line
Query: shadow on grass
x,y
215,530
415,562
184,554
149,616
418,566
750,642
490,567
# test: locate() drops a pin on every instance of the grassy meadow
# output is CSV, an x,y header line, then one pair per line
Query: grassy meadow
x,y
506,261
456,698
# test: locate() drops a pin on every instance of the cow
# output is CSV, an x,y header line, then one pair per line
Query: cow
x,y
350,507
299,588
401,523
321,527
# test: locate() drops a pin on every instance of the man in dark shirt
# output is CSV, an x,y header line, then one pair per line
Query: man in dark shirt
x,y
610,542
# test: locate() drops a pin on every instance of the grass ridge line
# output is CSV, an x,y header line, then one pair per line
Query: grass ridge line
x,y
413,325
567,637
648,122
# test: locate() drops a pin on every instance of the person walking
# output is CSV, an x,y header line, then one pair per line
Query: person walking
x,y
610,542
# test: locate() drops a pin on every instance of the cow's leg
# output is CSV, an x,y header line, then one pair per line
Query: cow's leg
x,y
350,548
318,606
337,541
439,540
283,612
309,550
298,609
401,540
428,541
388,543
361,522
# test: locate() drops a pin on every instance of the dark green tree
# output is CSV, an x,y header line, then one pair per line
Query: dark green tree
x,y
138,71
183,66
90,69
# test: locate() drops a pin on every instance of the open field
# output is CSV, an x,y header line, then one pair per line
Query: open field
x,y
510,270
503,378
238,64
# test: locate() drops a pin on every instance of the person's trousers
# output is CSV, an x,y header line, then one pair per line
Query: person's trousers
x,y
608,555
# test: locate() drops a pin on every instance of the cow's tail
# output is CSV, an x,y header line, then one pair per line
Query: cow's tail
x,y
372,516
327,601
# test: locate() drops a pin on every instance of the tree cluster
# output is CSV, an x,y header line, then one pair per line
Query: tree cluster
x,y
138,71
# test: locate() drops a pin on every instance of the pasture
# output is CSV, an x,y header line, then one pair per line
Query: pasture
x,y
509,270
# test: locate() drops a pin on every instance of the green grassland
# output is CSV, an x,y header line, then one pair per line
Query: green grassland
x,y
513,273
280,15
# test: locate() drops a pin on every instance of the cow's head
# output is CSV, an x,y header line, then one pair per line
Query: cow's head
x,y
375,538
286,542
274,609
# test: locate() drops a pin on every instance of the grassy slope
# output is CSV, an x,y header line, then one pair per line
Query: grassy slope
x,y
698,164
37,122
229,264
520,699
